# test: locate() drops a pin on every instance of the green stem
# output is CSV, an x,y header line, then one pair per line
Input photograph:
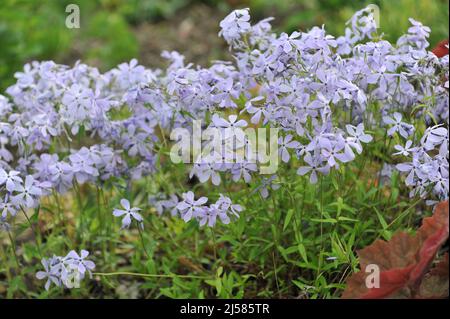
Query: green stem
x,y
405,212
36,233
321,227
80,210
102,220
213,235
149,275
143,242
13,245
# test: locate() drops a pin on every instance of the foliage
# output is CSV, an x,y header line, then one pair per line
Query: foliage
x,y
404,263
333,13
35,30
29,30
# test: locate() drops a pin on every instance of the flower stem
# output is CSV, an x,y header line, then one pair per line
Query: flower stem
x,y
36,233
143,242
149,275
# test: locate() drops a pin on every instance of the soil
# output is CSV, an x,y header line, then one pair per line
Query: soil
x,y
193,33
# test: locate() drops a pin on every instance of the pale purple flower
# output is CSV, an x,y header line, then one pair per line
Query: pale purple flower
x,y
208,215
61,175
207,169
313,167
243,170
332,151
169,205
27,194
66,270
11,179
190,207
284,144
83,165
405,150
221,209
226,205
232,123
413,169
435,136
8,207
49,273
358,133
234,24
4,226
129,213
402,128
255,111
79,263
267,183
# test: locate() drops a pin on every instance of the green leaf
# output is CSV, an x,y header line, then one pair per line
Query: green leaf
x,y
325,220
288,218
302,251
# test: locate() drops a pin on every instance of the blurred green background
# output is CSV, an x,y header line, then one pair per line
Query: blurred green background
x,y
113,31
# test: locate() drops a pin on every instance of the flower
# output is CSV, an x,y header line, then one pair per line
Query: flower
x,y
49,273
4,226
231,128
234,24
10,179
207,169
357,132
79,262
313,167
8,207
28,193
267,183
129,214
208,215
405,150
243,169
166,205
83,165
190,207
331,151
227,206
404,129
284,144
65,270
221,209
322,91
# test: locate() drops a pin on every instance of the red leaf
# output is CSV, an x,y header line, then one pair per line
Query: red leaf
x,y
403,261
435,283
434,233
441,49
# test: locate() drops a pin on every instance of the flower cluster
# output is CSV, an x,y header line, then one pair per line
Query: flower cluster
x,y
427,170
66,271
303,83
190,208
20,193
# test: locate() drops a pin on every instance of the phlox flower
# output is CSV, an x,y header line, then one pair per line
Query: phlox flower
x,y
402,128
314,166
129,213
28,193
405,150
10,179
189,207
